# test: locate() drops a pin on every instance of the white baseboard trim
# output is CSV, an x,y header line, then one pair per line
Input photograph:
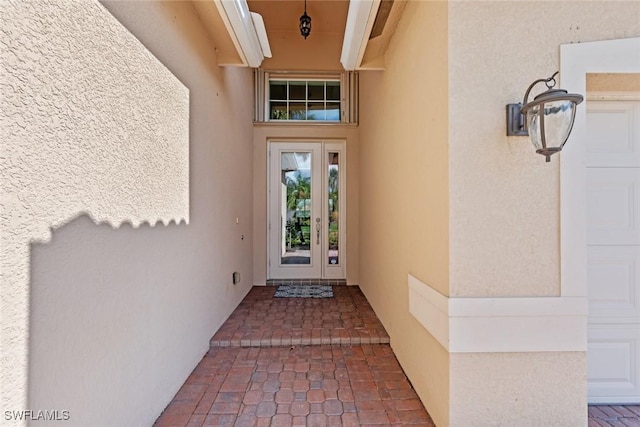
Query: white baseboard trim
x,y
500,325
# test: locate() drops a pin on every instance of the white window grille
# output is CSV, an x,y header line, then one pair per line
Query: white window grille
x,y
306,98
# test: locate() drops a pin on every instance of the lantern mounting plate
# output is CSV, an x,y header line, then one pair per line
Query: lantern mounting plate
x,y
515,120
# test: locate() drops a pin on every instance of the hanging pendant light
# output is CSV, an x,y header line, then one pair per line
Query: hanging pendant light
x,y
305,22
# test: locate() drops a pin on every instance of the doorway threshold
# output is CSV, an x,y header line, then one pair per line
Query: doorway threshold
x,y
307,282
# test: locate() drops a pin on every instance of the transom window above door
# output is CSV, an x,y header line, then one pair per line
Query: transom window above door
x,y
315,100
294,97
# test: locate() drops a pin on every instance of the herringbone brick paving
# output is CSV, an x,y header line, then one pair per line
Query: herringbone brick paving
x,y
614,416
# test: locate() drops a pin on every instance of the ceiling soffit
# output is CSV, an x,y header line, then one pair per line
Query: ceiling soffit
x,y
320,51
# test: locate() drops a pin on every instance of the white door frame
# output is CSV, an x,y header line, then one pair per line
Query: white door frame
x,y
576,61
325,270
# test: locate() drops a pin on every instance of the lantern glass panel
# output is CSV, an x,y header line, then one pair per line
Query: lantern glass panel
x,y
558,121
533,124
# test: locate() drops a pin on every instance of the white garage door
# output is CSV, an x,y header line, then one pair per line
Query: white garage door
x,y
613,250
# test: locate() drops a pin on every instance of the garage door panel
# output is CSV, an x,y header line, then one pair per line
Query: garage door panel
x,y
613,251
613,374
613,277
613,205
612,134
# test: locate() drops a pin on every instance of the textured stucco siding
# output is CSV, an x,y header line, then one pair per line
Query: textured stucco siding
x,y
518,389
505,200
131,122
91,122
469,211
404,191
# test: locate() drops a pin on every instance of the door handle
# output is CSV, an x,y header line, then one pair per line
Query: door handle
x,y
317,231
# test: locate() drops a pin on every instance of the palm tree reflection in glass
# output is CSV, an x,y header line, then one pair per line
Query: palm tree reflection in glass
x,y
298,204
334,185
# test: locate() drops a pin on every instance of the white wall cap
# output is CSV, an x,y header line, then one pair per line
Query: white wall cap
x,y
486,325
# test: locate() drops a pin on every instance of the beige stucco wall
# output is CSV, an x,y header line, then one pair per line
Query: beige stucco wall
x,y
262,134
504,210
504,197
524,389
482,216
404,191
132,122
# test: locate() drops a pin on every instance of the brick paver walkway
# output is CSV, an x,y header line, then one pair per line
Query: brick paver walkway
x,y
261,320
298,362
614,416
310,362
297,386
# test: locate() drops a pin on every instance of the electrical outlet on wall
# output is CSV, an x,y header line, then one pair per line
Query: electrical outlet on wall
x,y
236,278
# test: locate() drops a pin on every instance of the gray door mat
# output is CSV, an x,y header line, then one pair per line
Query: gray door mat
x,y
304,291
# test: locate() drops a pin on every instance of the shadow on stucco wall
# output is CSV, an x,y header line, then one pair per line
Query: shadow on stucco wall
x,y
108,314
108,323
90,121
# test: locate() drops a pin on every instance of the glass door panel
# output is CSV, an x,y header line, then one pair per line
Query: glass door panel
x,y
295,202
333,205
333,209
306,210
296,207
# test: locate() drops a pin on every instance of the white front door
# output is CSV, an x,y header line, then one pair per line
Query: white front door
x,y
613,251
307,210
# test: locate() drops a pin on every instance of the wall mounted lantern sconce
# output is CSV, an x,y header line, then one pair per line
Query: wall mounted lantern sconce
x,y
305,23
547,120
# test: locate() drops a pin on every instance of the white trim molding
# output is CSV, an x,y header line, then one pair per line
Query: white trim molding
x,y
576,61
246,29
500,325
360,19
